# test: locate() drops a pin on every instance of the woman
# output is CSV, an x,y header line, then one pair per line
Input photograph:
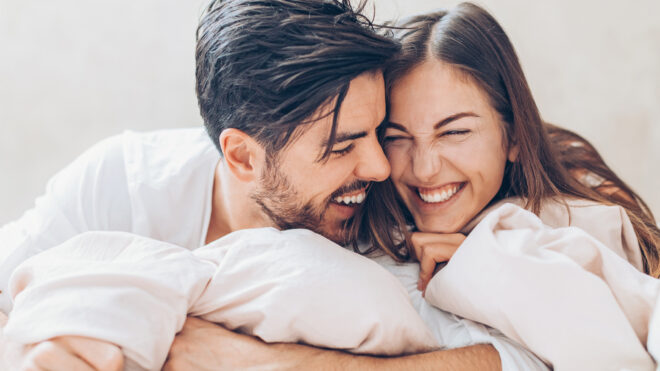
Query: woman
x,y
465,136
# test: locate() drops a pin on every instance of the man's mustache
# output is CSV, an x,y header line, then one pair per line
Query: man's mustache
x,y
357,185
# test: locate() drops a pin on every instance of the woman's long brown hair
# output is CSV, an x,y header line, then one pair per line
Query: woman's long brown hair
x,y
550,159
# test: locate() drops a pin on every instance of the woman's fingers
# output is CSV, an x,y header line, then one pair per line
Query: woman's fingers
x,y
422,239
431,249
430,257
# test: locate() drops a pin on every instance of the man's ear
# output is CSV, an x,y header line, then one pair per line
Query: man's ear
x,y
241,154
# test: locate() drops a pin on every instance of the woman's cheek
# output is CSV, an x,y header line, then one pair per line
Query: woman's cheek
x,y
397,159
390,153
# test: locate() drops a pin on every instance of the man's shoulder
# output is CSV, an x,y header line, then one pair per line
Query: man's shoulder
x,y
165,171
163,153
193,137
167,142
163,143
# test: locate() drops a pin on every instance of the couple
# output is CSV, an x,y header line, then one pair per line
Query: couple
x,y
293,96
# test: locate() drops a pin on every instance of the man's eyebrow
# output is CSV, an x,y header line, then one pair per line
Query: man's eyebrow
x,y
396,126
454,117
344,137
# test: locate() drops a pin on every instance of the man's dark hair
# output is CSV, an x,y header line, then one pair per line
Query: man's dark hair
x,y
266,67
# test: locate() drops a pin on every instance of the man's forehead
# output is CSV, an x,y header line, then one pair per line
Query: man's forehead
x,y
362,110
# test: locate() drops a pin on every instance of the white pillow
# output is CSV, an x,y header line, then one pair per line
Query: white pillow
x,y
296,285
290,286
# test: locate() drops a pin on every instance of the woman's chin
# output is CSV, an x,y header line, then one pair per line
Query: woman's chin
x,y
436,226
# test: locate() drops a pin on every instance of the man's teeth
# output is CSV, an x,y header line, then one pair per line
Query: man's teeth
x,y
439,195
354,199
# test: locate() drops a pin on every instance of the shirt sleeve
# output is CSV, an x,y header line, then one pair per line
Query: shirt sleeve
x,y
89,194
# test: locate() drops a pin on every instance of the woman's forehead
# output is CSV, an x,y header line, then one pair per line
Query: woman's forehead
x,y
433,91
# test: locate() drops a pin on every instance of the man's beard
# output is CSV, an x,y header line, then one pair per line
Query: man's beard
x,y
282,203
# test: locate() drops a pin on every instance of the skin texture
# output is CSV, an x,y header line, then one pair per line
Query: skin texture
x,y
304,187
432,249
444,135
468,152
246,183
73,353
204,346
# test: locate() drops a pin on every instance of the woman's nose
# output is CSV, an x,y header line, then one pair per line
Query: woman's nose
x,y
425,164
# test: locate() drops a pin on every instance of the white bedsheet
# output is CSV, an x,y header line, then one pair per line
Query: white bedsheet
x,y
281,286
560,292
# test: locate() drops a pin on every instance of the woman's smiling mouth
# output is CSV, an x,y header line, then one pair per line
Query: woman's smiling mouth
x,y
439,194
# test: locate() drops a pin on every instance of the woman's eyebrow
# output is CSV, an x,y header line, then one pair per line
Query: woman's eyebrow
x,y
437,126
452,118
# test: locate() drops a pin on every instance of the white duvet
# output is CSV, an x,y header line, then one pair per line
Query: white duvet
x,y
560,292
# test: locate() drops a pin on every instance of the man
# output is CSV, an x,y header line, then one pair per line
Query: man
x,y
291,95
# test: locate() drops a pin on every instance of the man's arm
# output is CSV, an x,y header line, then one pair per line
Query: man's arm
x,y
205,346
89,194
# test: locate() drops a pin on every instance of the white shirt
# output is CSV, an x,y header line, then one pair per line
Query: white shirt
x,y
156,184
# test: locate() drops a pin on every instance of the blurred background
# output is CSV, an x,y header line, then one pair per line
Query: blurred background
x,y
73,72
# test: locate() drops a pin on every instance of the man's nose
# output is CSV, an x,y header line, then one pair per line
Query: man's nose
x,y
373,165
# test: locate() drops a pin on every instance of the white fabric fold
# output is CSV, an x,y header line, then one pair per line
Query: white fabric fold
x,y
558,291
653,342
571,298
114,286
453,331
281,286
296,286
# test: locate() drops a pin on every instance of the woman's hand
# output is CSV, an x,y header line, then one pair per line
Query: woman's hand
x,y
66,353
431,249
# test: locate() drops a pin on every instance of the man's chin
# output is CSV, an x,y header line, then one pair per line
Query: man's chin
x,y
338,239
338,235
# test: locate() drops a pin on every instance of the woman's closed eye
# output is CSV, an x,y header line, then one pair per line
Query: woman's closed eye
x,y
455,132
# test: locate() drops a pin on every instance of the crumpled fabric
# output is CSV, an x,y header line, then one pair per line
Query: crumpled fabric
x,y
282,286
559,291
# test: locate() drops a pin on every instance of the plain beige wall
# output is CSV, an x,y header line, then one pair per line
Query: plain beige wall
x,y
73,72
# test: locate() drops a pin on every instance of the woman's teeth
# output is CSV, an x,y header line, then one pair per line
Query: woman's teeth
x,y
440,194
354,199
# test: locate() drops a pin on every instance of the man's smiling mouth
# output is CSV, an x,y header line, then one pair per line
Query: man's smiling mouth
x,y
354,198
